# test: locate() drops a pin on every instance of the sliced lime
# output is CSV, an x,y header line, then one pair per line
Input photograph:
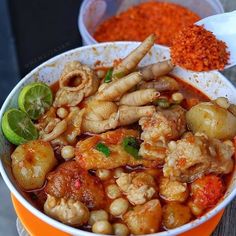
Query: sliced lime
x,y
35,99
18,127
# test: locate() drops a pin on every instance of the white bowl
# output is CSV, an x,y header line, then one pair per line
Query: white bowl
x,y
213,84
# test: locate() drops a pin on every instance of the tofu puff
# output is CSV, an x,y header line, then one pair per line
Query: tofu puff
x,y
89,157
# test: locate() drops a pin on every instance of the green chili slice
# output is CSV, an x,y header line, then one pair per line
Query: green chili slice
x,y
162,102
34,196
131,146
108,77
104,149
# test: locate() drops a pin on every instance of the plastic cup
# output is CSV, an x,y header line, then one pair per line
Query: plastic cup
x,y
93,12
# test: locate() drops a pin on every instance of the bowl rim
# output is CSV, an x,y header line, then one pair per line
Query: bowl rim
x,y
225,201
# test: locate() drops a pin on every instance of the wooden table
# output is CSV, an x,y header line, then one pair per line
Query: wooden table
x,y
227,226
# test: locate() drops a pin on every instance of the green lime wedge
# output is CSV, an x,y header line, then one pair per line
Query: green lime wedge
x,y
35,99
18,127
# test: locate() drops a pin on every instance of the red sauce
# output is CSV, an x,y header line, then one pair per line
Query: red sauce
x,y
190,91
54,87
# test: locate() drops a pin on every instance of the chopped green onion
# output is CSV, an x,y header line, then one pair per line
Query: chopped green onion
x,y
119,75
108,77
104,149
131,146
162,102
34,196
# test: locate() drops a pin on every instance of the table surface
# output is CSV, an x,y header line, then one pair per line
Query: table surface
x,y
227,226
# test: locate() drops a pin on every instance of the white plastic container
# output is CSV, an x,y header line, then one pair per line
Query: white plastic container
x,y
93,12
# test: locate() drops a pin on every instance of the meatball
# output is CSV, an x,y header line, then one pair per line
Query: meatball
x,y
69,211
144,219
31,162
138,187
172,190
175,215
160,128
205,193
69,180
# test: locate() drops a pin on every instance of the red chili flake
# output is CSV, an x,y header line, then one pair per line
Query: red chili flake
x,y
162,18
114,137
197,49
77,183
190,139
181,162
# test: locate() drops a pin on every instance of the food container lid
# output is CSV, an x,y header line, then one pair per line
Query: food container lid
x,y
36,227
